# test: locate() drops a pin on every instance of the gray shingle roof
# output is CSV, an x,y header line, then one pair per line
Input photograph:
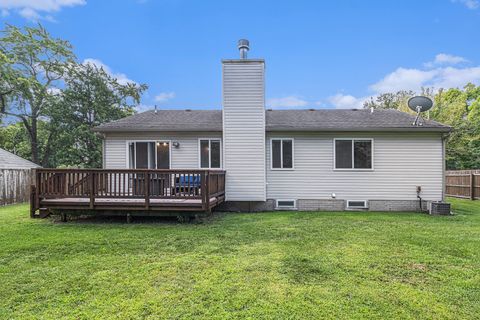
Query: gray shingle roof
x,y
9,160
276,120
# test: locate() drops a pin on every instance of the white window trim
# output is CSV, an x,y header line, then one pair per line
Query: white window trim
x,y
281,154
286,207
149,140
364,207
210,153
353,155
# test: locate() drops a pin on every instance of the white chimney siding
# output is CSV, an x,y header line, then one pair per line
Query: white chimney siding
x,y
244,129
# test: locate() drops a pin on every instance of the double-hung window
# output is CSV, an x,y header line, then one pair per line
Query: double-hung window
x,y
282,153
210,153
353,154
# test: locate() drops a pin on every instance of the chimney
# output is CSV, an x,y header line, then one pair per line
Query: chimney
x,y
244,126
243,46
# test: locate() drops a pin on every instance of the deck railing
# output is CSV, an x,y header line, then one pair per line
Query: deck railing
x,y
129,183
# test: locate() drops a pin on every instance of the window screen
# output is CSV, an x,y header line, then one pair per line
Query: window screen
x,y
362,154
141,150
276,154
204,153
287,157
343,154
163,155
215,153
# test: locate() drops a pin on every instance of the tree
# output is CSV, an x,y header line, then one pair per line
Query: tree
x,y
32,65
91,97
396,100
459,108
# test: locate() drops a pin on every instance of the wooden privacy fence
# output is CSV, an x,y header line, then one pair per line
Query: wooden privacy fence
x,y
463,184
14,185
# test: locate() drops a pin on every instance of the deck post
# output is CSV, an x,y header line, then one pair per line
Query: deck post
x,y
147,190
92,191
207,191
33,205
472,186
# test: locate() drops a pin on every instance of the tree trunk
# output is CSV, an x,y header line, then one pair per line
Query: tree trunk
x,y
34,140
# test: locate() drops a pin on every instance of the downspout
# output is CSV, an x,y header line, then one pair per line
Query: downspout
x,y
444,139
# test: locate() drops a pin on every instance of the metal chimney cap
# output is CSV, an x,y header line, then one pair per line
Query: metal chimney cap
x,y
243,44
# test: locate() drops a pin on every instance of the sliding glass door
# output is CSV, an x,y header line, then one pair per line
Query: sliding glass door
x,y
149,155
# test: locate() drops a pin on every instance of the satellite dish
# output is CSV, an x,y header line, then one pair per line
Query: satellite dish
x,y
419,104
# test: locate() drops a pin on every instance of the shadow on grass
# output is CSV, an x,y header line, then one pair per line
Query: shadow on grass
x,y
122,219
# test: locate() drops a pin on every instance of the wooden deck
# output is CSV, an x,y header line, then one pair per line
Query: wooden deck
x,y
121,191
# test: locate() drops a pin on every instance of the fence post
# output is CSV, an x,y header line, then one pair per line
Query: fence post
x,y
472,186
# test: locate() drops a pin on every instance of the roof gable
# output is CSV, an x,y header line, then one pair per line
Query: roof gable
x,y
9,160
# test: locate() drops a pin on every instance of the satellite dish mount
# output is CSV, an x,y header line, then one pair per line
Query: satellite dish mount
x,y
419,104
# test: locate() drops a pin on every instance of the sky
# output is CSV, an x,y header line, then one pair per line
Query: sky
x,y
318,54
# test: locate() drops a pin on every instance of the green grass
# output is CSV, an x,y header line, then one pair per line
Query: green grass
x,y
270,265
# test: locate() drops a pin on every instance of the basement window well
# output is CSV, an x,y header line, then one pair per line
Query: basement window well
x,y
357,204
286,204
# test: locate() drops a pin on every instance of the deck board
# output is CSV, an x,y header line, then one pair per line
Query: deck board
x,y
132,201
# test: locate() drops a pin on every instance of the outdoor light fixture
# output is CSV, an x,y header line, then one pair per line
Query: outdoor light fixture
x,y
176,144
334,195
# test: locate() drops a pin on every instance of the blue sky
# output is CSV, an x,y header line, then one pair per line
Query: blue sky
x,y
322,54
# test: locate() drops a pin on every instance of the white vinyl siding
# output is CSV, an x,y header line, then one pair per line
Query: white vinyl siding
x,y
402,162
244,130
184,157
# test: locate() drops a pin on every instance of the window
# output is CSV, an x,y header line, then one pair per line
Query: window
x,y
210,153
286,204
353,153
149,155
357,204
282,153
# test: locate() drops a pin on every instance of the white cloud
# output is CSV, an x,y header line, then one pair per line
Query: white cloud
x,y
346,101
445,59
144,107
470,4
121,77
287,102
415,79
35,9
164,96
29,14
440,76
403,79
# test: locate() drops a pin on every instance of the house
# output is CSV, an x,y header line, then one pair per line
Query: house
x,y
288,159
9,160
15,178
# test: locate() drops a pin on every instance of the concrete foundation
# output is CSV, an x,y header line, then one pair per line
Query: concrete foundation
x,y
323,205
246,206
397,205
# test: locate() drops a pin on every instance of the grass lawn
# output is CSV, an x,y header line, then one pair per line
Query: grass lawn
x,y
268,265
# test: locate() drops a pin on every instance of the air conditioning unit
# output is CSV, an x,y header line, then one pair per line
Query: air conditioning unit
x,y
440,208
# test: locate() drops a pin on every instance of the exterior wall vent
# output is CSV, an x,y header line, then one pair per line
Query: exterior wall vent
x,y
286,204
357,204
